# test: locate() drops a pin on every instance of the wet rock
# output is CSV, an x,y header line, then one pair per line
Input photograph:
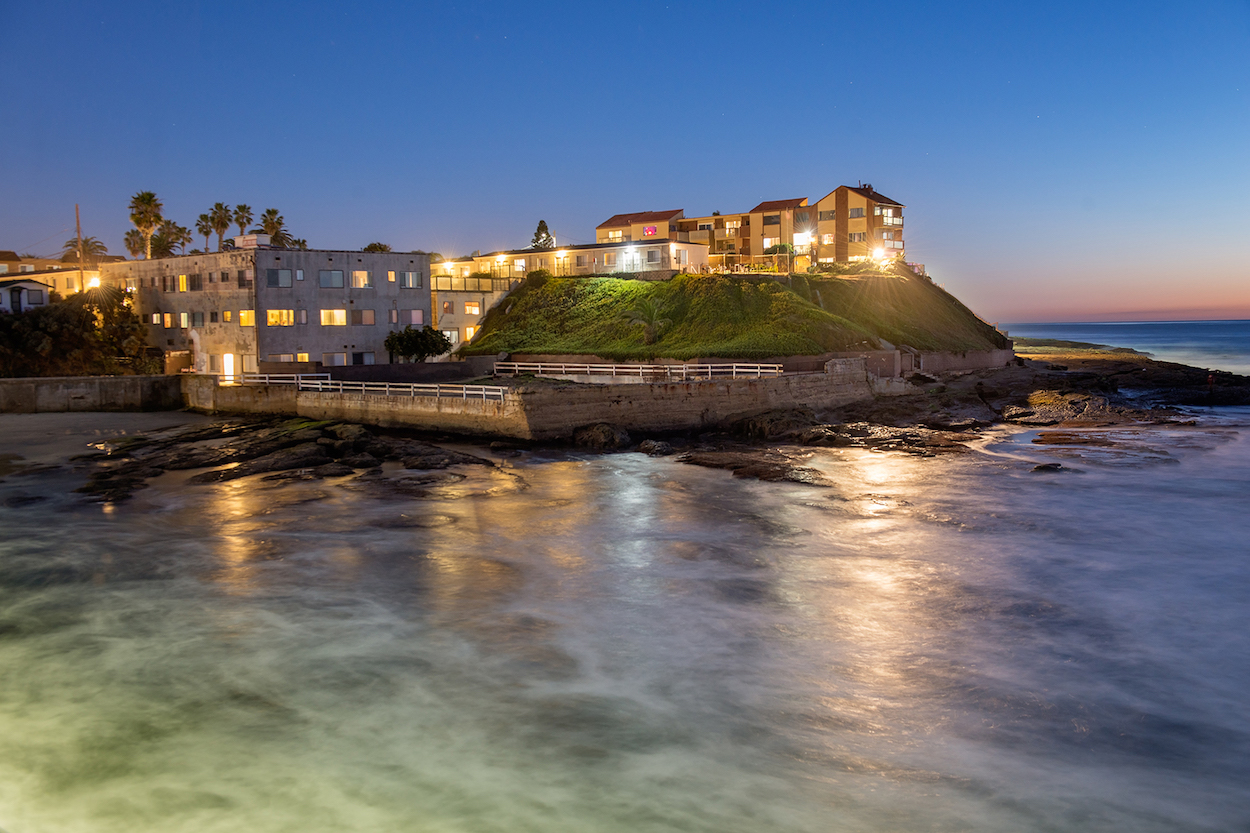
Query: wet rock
x,y
336,469
1048,467
361,461
335,447
655,448
416,455
761,464
771,425
17,501
601,437
308,455
357,435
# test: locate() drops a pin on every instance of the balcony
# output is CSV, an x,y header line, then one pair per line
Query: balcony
x,y
891,221
700,236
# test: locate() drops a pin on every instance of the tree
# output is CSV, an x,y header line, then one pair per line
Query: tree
x,y
273,224
219,218
242,216
92,248
204,225
84,334
145,213
543,241
135,243
299,243
417,345
376,247
168,238
652,316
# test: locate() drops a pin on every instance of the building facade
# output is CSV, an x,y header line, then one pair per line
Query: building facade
x,y
23,295
229,311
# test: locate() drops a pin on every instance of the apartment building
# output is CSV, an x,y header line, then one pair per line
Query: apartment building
x,y
229,311
849,223
465,288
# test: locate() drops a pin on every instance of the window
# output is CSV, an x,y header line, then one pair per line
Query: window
x,y
169,320
280,317
299,276
581,260
225,316
156,318
648,231
182,283
330,278
281,357
195,283
214,363
769,242
705,226
472,308
25,268
452,335
247,276
653,256
212,278
334,318
416,317
212,317
34,297
362,279
362,317
448,307
334,359
609,259
301,316
247,318
827,215
409,280
197,319
731,225
616,236
772,219
857,236
394,316
518,266
800,217
301,357
855,212
277,277
468,333
683,256
362,358
390,276
827,239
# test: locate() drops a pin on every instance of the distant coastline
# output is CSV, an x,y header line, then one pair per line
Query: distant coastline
x,y
1214,344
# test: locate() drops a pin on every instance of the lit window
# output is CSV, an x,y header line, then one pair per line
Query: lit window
x,y
362,280
156,318
857,236
616,236
472,308
518,266
390,276
452,335
299,276
301,357
469,332
769,242
278,277
182,283
247,318
609,259
803,238
330,278
184,320
280,317
827,239
448,307
169,320
731,225
225,316
334,318
416,317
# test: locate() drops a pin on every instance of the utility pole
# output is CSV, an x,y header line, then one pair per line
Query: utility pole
x,y
82,276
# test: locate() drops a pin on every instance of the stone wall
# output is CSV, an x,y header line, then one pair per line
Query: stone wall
x,y
90,393
963,362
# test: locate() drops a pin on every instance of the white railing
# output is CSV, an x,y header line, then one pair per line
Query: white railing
x,y
322,382
642,372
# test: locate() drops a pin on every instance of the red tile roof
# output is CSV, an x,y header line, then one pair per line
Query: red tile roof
x,y
640,217
779,205
867,192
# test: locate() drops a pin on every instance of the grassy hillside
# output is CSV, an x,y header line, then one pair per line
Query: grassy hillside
x,y
729,317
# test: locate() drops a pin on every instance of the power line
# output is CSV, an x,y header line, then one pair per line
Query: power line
x,y
44,240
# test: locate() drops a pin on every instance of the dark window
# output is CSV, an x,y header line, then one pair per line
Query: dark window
x,y
196,284
800,216
855,212
330,278
828,215
212,317
277,277
197,319
772,219
363,317
242,278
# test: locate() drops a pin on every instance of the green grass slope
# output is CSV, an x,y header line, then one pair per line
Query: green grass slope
x,y
729,317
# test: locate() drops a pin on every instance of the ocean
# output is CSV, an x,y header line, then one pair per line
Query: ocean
x,y
583,642
1215,345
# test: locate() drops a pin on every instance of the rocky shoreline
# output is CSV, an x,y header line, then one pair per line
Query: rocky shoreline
x,y
1065,388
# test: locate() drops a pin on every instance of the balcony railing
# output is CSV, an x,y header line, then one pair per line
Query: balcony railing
x,y
643,372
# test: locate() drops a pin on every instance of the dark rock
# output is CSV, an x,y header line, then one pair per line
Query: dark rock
x,y
601,437
361,461
352,433
301,456
336,448
336,469
15,501
655,448
762,464
771,425
1048,467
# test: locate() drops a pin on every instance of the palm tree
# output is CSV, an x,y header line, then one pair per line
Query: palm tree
x,y
273,224
299,243
135,242
651,315
220,217
204,225
168,238
145,213
242,216
91,249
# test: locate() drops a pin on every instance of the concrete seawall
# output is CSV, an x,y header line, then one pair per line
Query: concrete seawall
x,y
548,412
58,394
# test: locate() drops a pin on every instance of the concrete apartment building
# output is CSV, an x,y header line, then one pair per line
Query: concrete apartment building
x,y
230,311
848,224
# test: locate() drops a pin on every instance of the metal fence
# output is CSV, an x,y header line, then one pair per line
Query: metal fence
x,y
642,372
323,382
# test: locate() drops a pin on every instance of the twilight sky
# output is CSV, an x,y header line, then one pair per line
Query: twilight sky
x,y
1058,160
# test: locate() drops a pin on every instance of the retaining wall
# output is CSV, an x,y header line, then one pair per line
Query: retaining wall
x,y
90,393
958,362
